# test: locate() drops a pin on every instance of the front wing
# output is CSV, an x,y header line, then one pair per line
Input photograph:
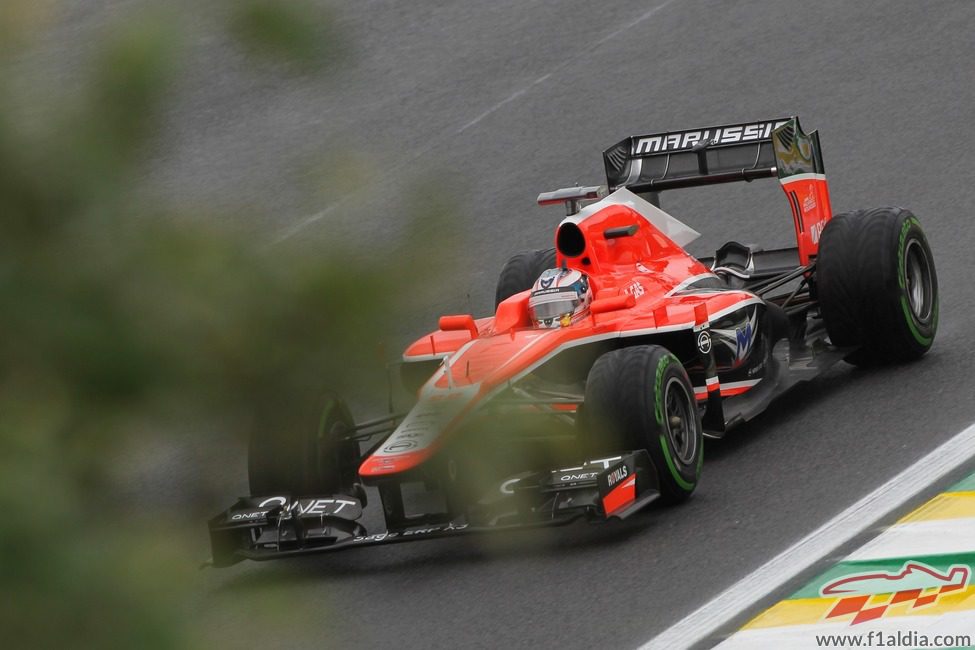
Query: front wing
x,y
277,526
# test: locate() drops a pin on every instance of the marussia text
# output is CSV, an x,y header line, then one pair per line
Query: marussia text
x,y
665,142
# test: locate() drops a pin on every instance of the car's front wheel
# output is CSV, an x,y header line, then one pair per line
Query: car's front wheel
x,y
316,460
641,398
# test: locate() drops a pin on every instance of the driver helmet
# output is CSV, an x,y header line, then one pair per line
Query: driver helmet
x,y
559,298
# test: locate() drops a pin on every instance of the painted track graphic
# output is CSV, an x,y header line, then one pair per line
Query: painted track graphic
x,y
916,576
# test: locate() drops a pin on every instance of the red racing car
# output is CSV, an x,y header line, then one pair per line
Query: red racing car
x,y
608,359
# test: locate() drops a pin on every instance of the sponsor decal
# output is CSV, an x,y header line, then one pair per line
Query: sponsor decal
x,y
816,231
416,532
704,342
347,507
247,516
617,475
809,203
869,595
635,288
573,478
551,291
739,340
739,134
641,267
744,338
587,472
617,487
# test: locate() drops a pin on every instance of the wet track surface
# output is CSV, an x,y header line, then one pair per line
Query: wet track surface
x,y
507,99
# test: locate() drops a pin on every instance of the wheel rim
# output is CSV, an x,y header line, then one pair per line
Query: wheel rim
x,y
917,272
679,421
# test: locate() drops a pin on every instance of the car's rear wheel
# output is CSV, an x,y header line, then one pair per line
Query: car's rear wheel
x,y
319,459
877,285
641,398
520,272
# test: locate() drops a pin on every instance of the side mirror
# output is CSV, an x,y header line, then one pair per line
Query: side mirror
x,y
459,322
603,305
512,313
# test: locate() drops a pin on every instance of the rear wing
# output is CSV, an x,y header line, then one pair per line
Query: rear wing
x,y
724,154
716,154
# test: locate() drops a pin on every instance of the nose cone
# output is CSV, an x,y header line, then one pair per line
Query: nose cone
x,y
420,434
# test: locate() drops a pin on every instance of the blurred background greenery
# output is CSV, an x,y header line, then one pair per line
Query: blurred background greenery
x,y
131,328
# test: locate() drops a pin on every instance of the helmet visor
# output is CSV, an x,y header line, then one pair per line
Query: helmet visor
x,y
548,306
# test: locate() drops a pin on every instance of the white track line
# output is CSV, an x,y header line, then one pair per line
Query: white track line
x,y
707,619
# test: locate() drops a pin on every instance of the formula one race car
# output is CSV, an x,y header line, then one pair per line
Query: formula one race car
x,y
608,358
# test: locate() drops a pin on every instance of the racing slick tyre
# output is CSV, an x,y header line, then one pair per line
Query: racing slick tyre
x,y
317,461
877,286
520,272
641,398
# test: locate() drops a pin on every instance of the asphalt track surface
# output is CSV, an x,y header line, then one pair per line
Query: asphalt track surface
x,y
504,99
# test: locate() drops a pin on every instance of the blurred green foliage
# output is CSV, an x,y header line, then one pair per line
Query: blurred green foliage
x,y
122,322
294,32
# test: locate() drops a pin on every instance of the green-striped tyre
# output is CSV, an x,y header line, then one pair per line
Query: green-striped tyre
x,y
877,286
641,398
